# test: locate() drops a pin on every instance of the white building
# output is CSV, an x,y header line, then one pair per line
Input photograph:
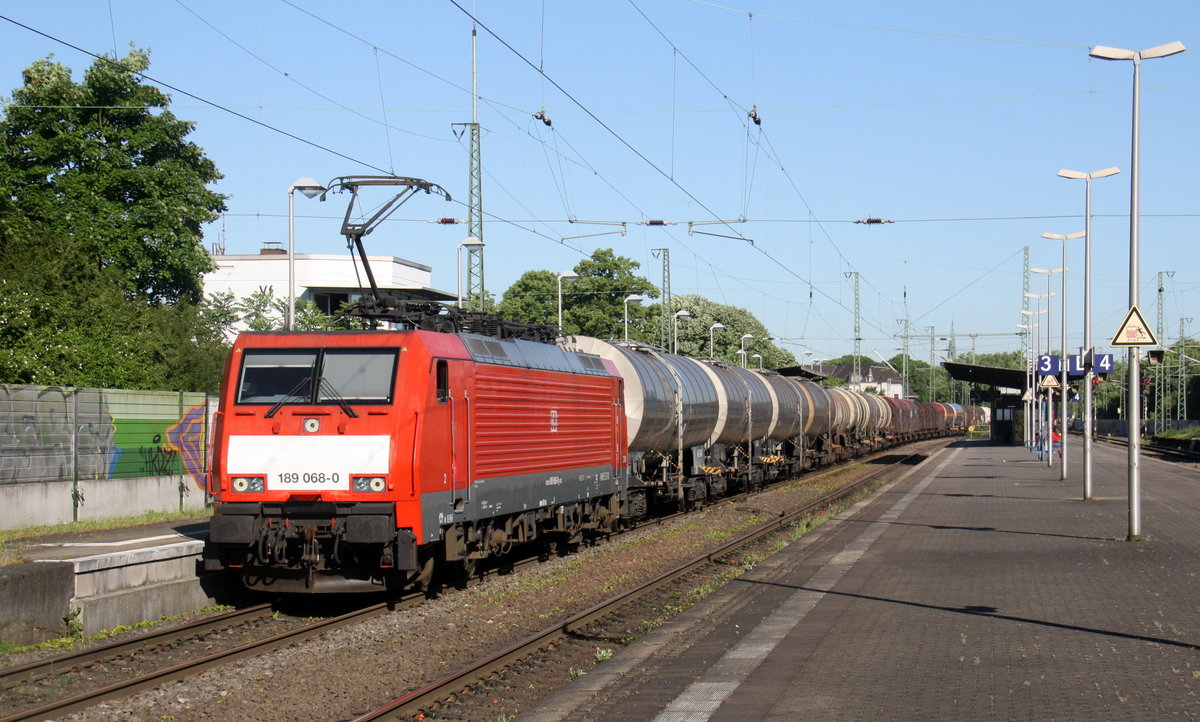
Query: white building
x,y
326,280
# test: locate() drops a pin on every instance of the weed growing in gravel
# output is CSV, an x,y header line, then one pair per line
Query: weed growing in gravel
x,y
75,637
576,672
552,613
613,584
747,523
603,655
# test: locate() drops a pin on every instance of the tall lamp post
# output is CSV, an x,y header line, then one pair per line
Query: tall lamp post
x,y
742,350
1048,272
311,189
1030,386
1063,371
1088,351
570,276
1133,399
636,300
470,242
1038,349
681,313
711,337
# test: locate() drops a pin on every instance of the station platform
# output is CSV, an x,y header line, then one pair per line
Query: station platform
x,y
93,581
979,586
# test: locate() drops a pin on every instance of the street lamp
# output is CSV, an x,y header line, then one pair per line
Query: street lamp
x,y
742,352
1036,386
1030,387
570,276
1133,400
711,329
681,313
1048,272
1062,469
1088,351
636,300
311,189
471,242
760,360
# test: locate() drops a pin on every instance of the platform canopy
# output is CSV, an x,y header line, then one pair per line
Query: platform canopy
x,y
987,375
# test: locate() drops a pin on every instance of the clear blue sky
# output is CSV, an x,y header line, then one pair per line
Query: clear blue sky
x,y
949,118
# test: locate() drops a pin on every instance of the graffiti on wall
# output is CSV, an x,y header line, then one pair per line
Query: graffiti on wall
x,y
189,439
36,440
63,434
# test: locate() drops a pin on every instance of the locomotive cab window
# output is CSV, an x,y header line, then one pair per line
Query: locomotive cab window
x,y
357,375
443,382
272,376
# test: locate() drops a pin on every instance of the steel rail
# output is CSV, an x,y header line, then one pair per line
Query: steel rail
x,y
420,701
40,669
1153,448
169,674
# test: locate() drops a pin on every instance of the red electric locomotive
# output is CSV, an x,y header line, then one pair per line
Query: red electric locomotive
x,y
354,460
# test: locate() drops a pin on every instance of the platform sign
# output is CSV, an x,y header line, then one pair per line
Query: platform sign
x,y
1075,365
1134,331
1047,366
1104,363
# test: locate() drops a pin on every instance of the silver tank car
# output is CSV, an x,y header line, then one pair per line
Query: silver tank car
x,y
651,380
719,403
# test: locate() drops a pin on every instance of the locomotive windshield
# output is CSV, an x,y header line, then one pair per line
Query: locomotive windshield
x,y
270,376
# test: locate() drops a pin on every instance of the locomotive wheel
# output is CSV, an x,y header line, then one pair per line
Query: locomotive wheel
x,y
424,575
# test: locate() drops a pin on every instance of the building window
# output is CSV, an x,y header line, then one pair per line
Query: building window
x,y
330,303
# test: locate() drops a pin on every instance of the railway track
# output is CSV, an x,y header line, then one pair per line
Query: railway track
x,y
64,666
41,669
425,701
13,678
1165,452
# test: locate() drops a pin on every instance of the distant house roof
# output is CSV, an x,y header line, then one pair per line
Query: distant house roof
x,y
871,374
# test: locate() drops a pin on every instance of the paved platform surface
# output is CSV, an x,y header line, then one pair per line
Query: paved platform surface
x,y
75,545
979,586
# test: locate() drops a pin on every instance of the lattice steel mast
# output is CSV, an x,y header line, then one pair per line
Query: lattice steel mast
x,y
856,372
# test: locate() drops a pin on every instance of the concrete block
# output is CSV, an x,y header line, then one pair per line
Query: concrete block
x,y
35,599
155,601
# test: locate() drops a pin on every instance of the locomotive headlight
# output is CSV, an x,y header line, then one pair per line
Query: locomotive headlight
x,y
370,483
247,483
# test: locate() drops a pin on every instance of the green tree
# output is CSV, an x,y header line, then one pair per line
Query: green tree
x,y
531,299
694,332
104,167
999,359
101,204
593,304
60,325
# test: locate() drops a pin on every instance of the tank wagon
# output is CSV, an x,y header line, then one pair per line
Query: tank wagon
x,y
362,460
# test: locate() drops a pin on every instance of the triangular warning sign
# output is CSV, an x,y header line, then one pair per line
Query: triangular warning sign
x,y
1134,331
1050,382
